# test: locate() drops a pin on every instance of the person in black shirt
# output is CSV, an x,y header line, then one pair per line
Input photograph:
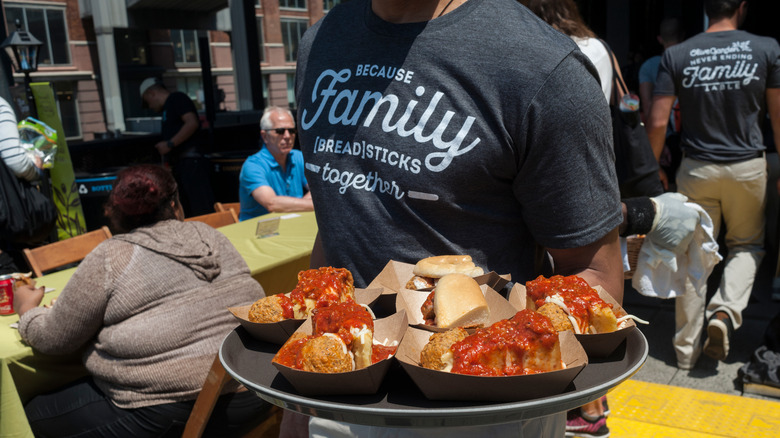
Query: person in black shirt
x,y
181,144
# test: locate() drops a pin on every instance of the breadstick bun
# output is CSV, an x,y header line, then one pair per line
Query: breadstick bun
x,y
458,302
439,266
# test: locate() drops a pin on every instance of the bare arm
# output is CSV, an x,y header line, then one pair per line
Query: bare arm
x,y
267,197
659,118
646,97
599,263
191,125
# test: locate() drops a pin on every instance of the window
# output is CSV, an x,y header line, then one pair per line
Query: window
x,y
260,39
46,24
192,87
185,46
65,94
292,31
330,4
292,4
291,90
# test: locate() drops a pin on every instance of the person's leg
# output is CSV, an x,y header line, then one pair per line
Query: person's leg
x,y
689,320
82,409
700,182
743,213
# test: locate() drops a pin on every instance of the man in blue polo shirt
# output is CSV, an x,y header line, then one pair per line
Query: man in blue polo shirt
x,y
272,180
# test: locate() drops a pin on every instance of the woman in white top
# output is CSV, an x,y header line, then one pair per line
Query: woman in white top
x,y
11,150
564,16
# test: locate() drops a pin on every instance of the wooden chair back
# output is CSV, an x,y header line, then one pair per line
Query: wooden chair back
x,y
216,220
216,380
64,252
224,206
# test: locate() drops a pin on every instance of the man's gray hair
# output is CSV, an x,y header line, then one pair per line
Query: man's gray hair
x,y
265,120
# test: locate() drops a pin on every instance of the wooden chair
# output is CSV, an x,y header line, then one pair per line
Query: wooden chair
x,y
235,206
216,220
216,380
64,252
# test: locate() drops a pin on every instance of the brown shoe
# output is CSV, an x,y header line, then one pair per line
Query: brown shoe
x,y
719,331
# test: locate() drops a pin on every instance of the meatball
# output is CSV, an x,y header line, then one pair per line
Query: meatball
x,y
438,345
268,309
325,354
557,316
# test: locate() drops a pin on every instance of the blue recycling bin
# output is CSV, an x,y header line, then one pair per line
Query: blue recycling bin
x,y
93,189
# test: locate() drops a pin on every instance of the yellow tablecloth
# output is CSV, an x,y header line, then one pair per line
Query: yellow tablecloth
x,y
273,261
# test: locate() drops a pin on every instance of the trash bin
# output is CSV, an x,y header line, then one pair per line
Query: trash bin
x,y
93,188
225,170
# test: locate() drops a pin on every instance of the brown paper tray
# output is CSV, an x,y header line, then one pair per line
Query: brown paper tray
x,y
279,332
440,385
598,345
396,274
364,381
411,301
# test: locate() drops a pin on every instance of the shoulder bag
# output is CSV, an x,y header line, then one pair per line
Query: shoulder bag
x,y
26,214
635,163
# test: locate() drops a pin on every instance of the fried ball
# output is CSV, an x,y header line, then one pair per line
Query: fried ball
x,y
557,316
267,309
439,344
325,354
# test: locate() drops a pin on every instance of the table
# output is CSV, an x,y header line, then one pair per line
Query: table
x,y
24,372
399,403
273,261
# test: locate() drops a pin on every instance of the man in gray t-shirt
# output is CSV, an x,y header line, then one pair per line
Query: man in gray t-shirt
x,y
463,127
726,81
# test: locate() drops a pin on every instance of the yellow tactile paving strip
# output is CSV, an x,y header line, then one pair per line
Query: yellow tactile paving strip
x,y
651,410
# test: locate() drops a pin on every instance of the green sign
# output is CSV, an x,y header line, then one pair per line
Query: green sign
x,y
70,216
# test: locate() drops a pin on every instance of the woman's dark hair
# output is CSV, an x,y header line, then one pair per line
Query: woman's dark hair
x,y
562,15
141,196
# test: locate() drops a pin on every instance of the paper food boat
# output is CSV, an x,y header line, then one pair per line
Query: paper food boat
x,y
395,275
596,345
412,300
364,381
279,332
441,385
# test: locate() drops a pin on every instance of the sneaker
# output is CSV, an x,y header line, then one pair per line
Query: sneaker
x,y
719,331
605,406
576,426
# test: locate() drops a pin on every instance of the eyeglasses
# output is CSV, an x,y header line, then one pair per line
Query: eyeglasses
x,y
280,131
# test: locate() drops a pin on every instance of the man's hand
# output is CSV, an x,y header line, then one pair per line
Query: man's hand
x,y
674,222
162,147
27,297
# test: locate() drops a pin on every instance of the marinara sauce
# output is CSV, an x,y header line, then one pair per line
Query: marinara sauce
x,y
325,286
499,350
575,292
340,318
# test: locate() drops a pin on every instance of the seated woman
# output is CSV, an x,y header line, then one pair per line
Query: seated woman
x,y
149,308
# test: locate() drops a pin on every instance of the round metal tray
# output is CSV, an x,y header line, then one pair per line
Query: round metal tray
x,y
399,403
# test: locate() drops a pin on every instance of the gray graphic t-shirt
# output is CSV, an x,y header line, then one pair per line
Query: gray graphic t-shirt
x,y
721,79
420,140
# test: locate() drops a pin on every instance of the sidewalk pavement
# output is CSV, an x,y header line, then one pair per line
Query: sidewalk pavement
x,y
708,374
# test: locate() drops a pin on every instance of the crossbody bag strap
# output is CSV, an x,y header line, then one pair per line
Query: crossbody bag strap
x,y
619,87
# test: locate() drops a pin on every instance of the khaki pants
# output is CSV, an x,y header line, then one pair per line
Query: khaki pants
x,y
735,192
